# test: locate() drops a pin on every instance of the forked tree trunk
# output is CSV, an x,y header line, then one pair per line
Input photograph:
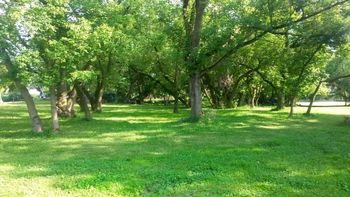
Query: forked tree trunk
x,y
65,97
257,101
313,97
54,113
252,102
195,95
33,113
96,105
252,99
65,103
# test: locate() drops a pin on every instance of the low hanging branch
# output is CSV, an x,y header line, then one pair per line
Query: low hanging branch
x,y
336,78
262,76
168,90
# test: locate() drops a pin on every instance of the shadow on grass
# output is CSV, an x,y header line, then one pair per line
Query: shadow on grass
x,y
227,153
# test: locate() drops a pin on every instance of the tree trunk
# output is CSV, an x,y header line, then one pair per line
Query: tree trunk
x,y
65,103
257,101
176,92
83,100
33,113
280,100
252,99
345,100
228,98
257,96
97,105
208,98
313,97
211,90
80,100
242,99
65,97
193,18
292,103
54,111
176,102
195,95
28,99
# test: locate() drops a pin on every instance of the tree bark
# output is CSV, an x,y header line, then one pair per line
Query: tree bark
x,y
257,101
65,103
66,98
313,97
193,19
54,111
28,99
292,103
32,111
253,97
83,100
195,96
97,103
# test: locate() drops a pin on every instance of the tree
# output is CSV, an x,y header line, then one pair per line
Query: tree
x,y
246,25
16,57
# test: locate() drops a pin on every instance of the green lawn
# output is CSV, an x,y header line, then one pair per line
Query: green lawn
x,y
131,150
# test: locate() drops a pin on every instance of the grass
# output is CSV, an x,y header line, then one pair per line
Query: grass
x,y
131,150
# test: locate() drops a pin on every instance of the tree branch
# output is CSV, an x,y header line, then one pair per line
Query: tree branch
x,y
271,30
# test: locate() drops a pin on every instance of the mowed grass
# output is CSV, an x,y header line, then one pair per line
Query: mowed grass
x,y
132,150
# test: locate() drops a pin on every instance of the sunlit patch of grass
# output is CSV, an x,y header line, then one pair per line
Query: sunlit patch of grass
x,y
133,150
276,127
132,119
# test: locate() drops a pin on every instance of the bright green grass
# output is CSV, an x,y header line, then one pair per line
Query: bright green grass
x,y
131,150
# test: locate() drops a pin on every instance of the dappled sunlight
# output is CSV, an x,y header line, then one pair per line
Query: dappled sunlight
x,y
247,190
312,120
6,168
239,127
326,110
131,119
273,127
157,153
128,151
7,118
131,137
